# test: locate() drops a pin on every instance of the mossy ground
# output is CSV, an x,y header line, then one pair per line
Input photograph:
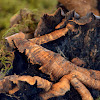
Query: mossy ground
x,y
6,59
9,8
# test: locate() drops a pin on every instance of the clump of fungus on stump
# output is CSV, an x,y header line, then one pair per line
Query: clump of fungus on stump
x,y
62,71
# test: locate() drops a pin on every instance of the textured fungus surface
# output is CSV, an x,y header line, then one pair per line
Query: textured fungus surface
x,y
79,44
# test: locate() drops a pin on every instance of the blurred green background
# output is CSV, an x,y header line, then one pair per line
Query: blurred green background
x,y
10,7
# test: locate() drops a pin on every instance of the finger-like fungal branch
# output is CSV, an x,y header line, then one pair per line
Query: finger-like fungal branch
x,y
82,90
49,37
52,36
60,24
42,39
58,89
6,86
87,80
77,61
10,39
93,73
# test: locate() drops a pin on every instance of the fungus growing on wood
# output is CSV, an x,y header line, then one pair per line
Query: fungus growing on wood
x,y
61,71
